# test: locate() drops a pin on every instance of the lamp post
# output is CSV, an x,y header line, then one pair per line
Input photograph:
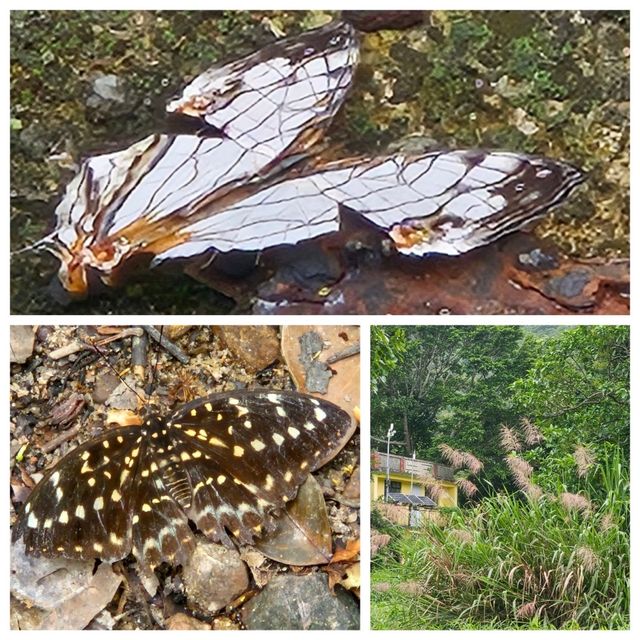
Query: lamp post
x,y
390,433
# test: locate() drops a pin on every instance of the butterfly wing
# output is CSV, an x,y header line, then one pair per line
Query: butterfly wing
x,y
445,202
285,93
245,454
159,525
81,507
291,212
450,202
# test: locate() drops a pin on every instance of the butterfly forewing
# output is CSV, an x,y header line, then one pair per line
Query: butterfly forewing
x,y
82,507
271,98
226,462
246,453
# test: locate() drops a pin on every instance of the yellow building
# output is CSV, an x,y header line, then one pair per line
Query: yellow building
x,y
410,476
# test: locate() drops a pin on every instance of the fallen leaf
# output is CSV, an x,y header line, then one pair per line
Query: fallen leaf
x,y
302,535
344,384
351,581
123,418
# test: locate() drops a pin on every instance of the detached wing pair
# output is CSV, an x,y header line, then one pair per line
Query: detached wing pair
x,y
246,187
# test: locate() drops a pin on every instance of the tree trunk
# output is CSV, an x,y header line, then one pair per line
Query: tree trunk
x,y
406,435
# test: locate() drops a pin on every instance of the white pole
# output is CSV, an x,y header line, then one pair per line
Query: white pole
x,y
390,433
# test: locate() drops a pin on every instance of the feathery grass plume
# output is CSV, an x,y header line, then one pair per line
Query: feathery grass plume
x,y
462,535
523,552
472,463
588,558
378,541
520,471
435,518
454,457
532,434
428,481
509,439
412,588
606,523
584,459
533,491
575,502
433,490
526,611
467,487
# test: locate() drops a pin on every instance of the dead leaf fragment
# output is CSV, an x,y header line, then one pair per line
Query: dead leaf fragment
x,y
347,554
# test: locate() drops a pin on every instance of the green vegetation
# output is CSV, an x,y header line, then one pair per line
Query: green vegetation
x,y
544,543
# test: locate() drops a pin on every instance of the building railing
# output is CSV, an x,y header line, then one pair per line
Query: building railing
x,y
402,464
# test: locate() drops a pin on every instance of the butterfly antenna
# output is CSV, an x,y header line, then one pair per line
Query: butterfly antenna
x,y
44,244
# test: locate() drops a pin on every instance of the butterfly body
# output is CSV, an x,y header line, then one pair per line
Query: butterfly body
x,y
226,462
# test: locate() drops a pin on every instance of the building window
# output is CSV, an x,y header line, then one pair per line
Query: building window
x,y
395,486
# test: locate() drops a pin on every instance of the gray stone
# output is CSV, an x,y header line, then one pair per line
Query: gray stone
x,y
214,577
298,602
22,339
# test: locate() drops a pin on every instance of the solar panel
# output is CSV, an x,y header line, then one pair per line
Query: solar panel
x,y
404,498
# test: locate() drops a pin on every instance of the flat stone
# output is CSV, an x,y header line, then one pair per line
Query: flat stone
x,y
22,340
299,602
255,347
106,384
183,622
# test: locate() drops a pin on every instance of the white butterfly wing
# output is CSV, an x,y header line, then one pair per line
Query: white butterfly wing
x,y
272,98
441,203
450,202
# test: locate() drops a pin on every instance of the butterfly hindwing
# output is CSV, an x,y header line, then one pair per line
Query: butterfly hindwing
x,y
160,528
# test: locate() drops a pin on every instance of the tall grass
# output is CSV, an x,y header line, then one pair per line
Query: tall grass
x,y
555,561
